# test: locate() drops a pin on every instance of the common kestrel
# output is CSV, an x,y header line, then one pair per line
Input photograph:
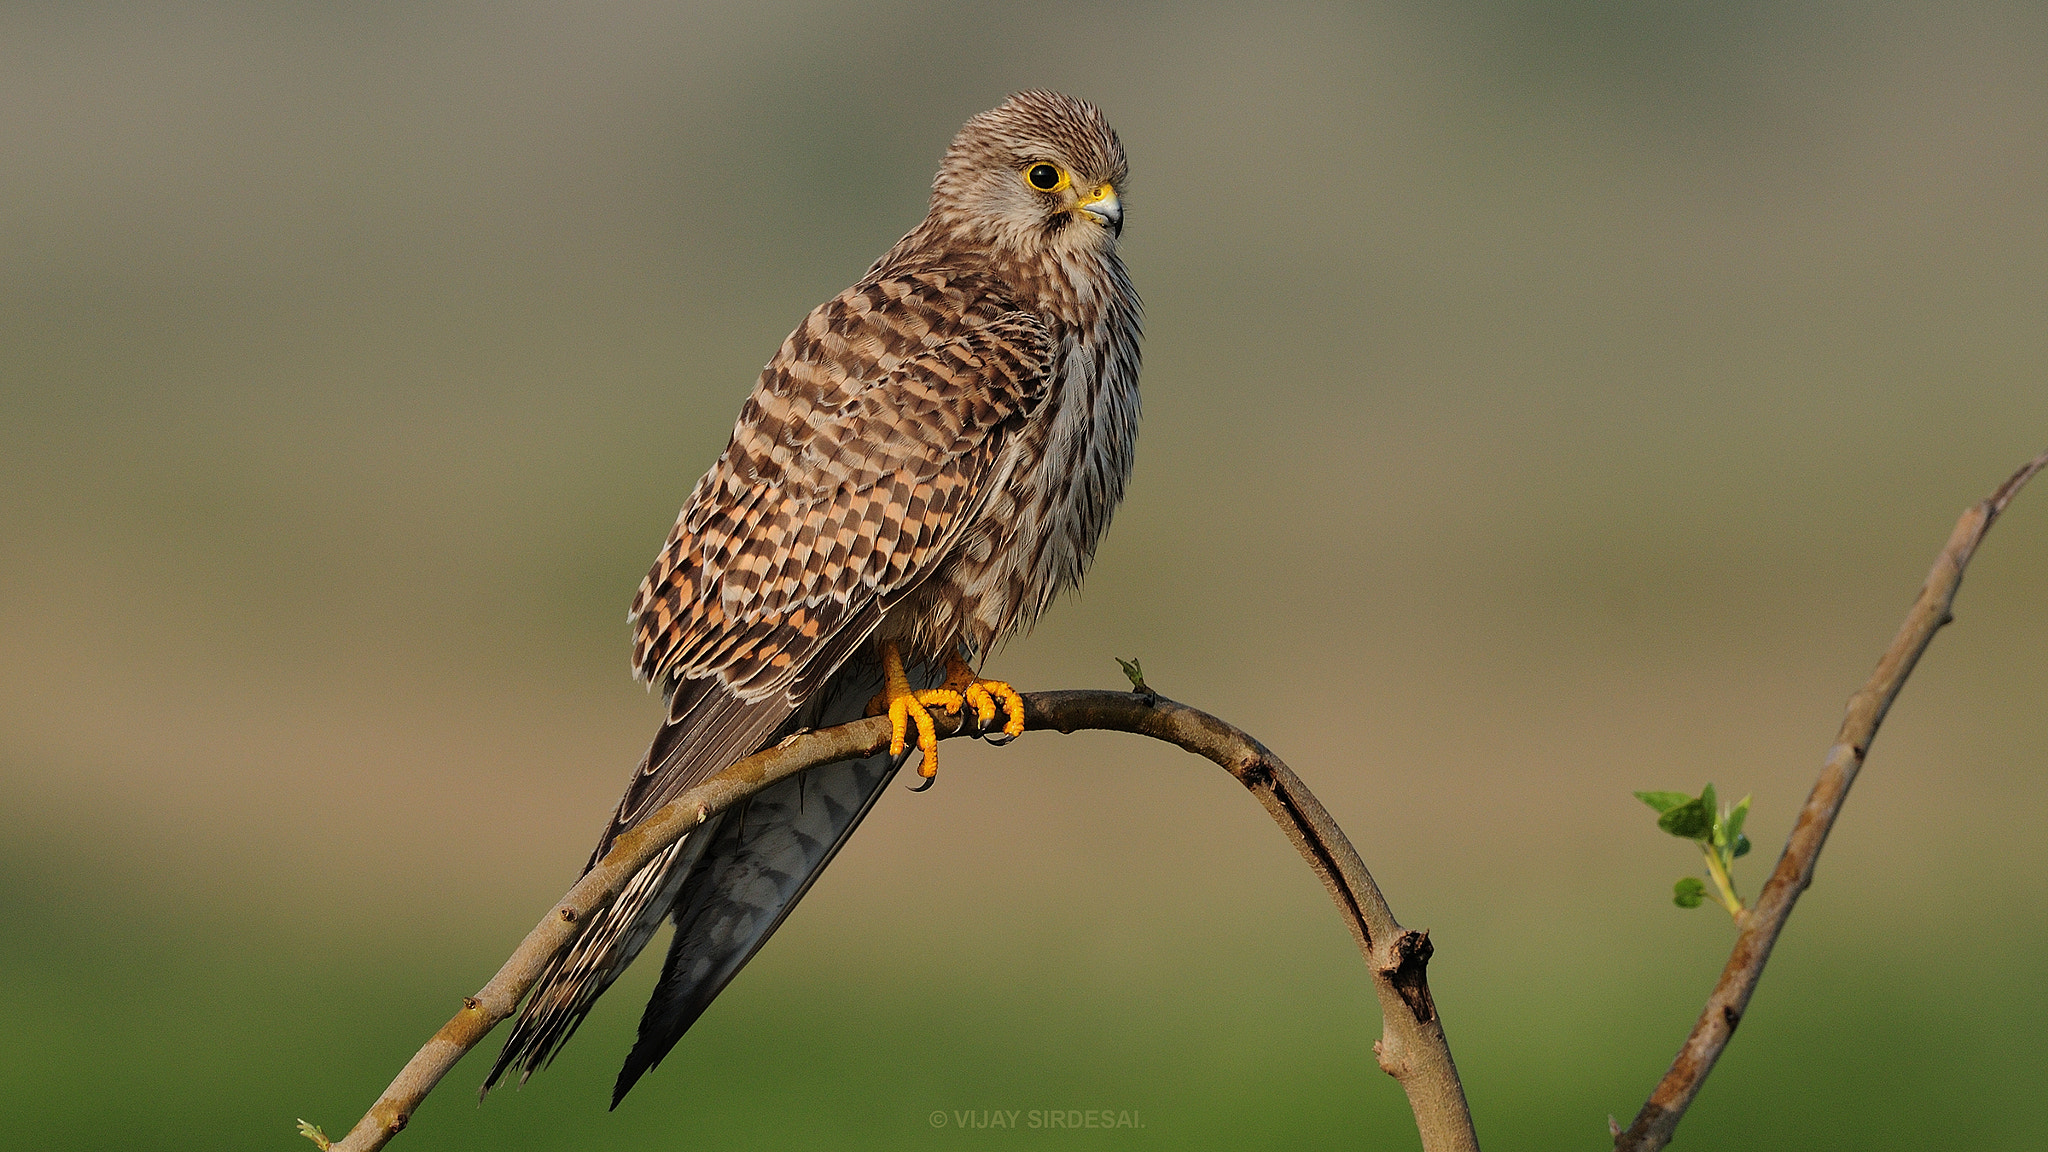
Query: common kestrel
x,y
925,463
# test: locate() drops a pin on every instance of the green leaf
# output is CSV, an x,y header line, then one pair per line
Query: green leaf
x,y
1692,820
1689,892
1133,671
1741,845
1664,801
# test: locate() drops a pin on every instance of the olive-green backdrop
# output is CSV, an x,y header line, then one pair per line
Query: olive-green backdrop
x,y
1542,402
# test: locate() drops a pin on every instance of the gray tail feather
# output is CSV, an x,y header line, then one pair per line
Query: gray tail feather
x,y
765,857
762,864
611,938
728,886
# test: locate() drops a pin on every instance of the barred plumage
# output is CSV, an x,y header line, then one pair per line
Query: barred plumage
x,y
927,460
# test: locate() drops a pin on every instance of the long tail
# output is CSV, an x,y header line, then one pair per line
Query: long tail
x,y
764,858
728,886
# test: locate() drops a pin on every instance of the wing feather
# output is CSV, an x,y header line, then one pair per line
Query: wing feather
x,y
844,481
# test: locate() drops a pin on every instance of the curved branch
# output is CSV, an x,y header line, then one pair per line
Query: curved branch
x,y
1761,923
1411,1048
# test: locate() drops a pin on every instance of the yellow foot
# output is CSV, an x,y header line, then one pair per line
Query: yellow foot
x,y
983,695
906,706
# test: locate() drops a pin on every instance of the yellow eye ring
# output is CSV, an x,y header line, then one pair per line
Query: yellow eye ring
x,y
1046,177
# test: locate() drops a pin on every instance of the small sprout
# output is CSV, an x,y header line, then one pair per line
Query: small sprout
x,y
1736,839
1718,832
1135,673
312,1132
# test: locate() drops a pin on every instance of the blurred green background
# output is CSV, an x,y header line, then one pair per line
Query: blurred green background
x,y
1542,402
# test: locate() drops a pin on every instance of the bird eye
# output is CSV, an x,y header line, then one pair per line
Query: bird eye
x,y
1045,177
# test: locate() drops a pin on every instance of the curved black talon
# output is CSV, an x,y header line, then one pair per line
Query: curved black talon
x,y
997,738
924,783
896,763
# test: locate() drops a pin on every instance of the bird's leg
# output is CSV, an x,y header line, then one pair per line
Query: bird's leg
x,y
982,696
905,705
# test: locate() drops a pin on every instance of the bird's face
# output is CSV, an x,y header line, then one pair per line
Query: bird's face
x,y
1060,196
1042,174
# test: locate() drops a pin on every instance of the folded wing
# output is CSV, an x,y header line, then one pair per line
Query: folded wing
x,y
866,449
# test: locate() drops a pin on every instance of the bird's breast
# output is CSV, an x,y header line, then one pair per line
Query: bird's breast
x,y
1054,483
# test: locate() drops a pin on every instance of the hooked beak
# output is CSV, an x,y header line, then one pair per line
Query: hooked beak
x,y
1105,207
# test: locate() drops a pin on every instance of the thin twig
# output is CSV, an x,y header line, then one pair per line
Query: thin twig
x,y
1411,1048
1659,1118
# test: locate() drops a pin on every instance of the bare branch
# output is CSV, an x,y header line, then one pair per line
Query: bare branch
x,y
1411,1048
1659,1118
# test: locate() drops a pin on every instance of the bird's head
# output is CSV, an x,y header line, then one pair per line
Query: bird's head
x,y
1039,175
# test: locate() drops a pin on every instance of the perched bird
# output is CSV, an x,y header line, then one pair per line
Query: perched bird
x,y
925,463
